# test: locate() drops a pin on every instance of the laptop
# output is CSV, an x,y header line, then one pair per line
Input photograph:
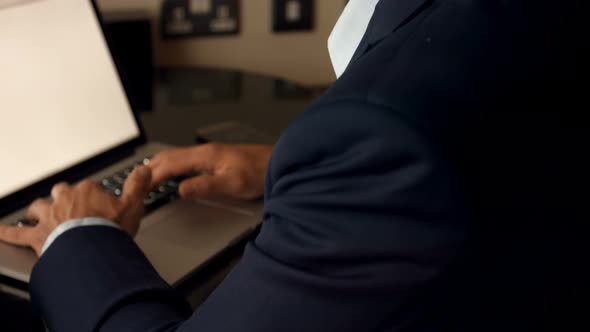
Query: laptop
x,y
65,116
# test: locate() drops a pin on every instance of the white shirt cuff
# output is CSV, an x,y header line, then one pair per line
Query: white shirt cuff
x,y
75,223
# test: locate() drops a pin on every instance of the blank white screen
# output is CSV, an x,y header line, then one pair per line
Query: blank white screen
x,y
61,100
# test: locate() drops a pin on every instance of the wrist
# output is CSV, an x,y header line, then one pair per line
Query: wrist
x,y
72,224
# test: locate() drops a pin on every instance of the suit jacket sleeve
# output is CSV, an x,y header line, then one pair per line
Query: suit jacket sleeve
x,y
361,218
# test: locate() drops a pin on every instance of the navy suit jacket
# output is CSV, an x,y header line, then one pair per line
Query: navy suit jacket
x,y
430,189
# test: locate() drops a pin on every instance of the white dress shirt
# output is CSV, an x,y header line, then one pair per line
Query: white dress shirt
x,y
68,225
342,44
349,32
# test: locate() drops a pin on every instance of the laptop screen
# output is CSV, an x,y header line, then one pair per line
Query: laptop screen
x,y
61,99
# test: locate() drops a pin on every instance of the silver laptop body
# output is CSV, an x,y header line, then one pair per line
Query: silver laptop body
x,y
64,116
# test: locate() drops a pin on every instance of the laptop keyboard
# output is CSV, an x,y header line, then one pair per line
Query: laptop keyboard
x,y
163,193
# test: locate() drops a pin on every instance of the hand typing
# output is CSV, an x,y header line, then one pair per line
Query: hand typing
x,y
236,171
86,199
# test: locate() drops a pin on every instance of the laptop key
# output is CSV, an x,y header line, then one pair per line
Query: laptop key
x,y
25,223
119,179
172,184
108,183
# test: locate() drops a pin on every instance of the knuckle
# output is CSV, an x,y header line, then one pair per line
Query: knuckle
x,y
213,145
210,148
38,201
171,154
160,157
83,184
165,160
86,185
157,157
59,189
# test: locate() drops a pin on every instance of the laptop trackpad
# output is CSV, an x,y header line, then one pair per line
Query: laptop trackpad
x,y
181,236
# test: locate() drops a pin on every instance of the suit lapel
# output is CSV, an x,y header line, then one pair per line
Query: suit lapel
x,y
389,16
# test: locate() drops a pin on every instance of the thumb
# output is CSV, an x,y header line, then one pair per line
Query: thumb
x,y
203,186
137,185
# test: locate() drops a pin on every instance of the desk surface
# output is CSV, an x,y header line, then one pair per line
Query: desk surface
x,y
186,99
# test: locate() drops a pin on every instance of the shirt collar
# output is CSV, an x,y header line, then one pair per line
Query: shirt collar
x,y
348,32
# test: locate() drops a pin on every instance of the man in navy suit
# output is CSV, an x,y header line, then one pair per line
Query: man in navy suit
x,y
431,188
